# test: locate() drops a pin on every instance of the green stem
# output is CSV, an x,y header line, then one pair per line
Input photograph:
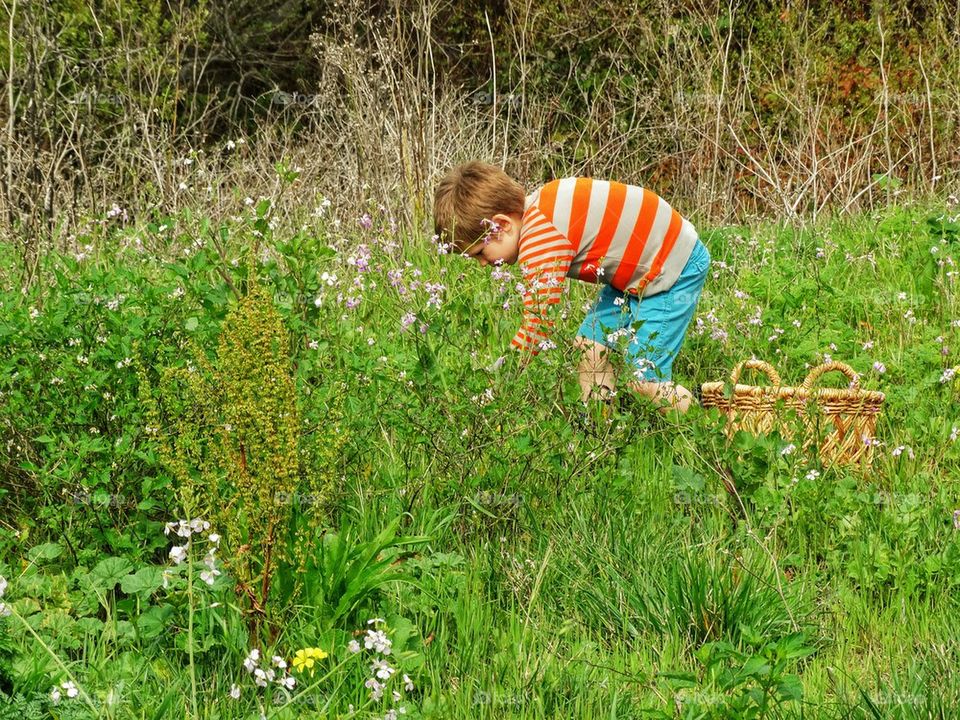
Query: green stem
x,y
193,671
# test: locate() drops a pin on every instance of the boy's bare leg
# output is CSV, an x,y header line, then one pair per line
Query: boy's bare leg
x,y
597,378
668,395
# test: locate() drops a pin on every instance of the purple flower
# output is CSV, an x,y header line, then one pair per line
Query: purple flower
x,y
408,320
956,519
352,302
366,222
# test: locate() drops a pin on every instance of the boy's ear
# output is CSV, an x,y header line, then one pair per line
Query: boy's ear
x,y
502,220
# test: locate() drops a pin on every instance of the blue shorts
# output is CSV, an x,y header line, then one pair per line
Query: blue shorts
x,y
654,326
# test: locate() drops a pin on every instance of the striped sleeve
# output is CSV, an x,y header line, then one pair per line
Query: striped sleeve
x,y
545,257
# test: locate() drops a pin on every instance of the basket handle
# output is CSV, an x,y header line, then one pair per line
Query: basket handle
x,y
830,367
766,367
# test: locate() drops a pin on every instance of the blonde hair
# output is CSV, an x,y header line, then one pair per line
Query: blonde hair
x,y
470,193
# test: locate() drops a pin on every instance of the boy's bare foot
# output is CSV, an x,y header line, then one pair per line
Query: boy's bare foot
x,y
668,396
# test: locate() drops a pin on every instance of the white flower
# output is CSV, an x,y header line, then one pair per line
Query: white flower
x,y
209,576
353,646
214,538
71,689
250,662
235,692
407,683
382,669
376,688
880,367
178,553
948,375
55,695
377,640
5,610
259,677
288,682
279,662
3,585
954,434
788,449
813,475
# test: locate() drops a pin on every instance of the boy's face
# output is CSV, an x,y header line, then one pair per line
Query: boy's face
x,y
502,247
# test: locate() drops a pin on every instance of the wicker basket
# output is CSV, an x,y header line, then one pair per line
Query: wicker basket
x,y
842,421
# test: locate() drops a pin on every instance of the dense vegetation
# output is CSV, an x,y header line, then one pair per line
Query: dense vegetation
x,y
256,461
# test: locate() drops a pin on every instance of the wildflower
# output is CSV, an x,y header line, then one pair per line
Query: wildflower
x,y
209,576
279,662
954,434
214,538
897,451
868,345
5,610
3,585
879,367
55,695
407,320
288,682
71,689
250,662
178,553
948,375
235,692
956,519
813,475
230,145
788,449
382,669
260,677
353,646
407,683
366,222
901,296
377,640
306,658
313,344
376,688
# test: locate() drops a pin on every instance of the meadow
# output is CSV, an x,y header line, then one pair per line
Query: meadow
x,y
257,469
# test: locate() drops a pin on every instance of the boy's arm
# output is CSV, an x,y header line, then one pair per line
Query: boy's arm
x,y
544,275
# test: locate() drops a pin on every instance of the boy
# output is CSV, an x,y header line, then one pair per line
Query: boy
x,y
649,259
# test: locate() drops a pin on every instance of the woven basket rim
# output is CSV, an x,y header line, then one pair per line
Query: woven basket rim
x,y
786,391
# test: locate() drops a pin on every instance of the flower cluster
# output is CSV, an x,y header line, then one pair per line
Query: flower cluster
x,y
4,608
275,672
306,658
68,687
178,553
377,641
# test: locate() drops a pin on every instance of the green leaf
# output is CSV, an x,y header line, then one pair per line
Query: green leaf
x,y
109,572
144,581
46,551
154,621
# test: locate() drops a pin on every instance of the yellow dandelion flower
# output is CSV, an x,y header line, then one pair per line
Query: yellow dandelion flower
x,y
305,659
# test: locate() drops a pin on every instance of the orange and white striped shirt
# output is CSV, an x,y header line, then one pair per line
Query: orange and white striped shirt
x,y
599,232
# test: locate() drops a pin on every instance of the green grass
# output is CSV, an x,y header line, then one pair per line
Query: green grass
x,y
560,563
